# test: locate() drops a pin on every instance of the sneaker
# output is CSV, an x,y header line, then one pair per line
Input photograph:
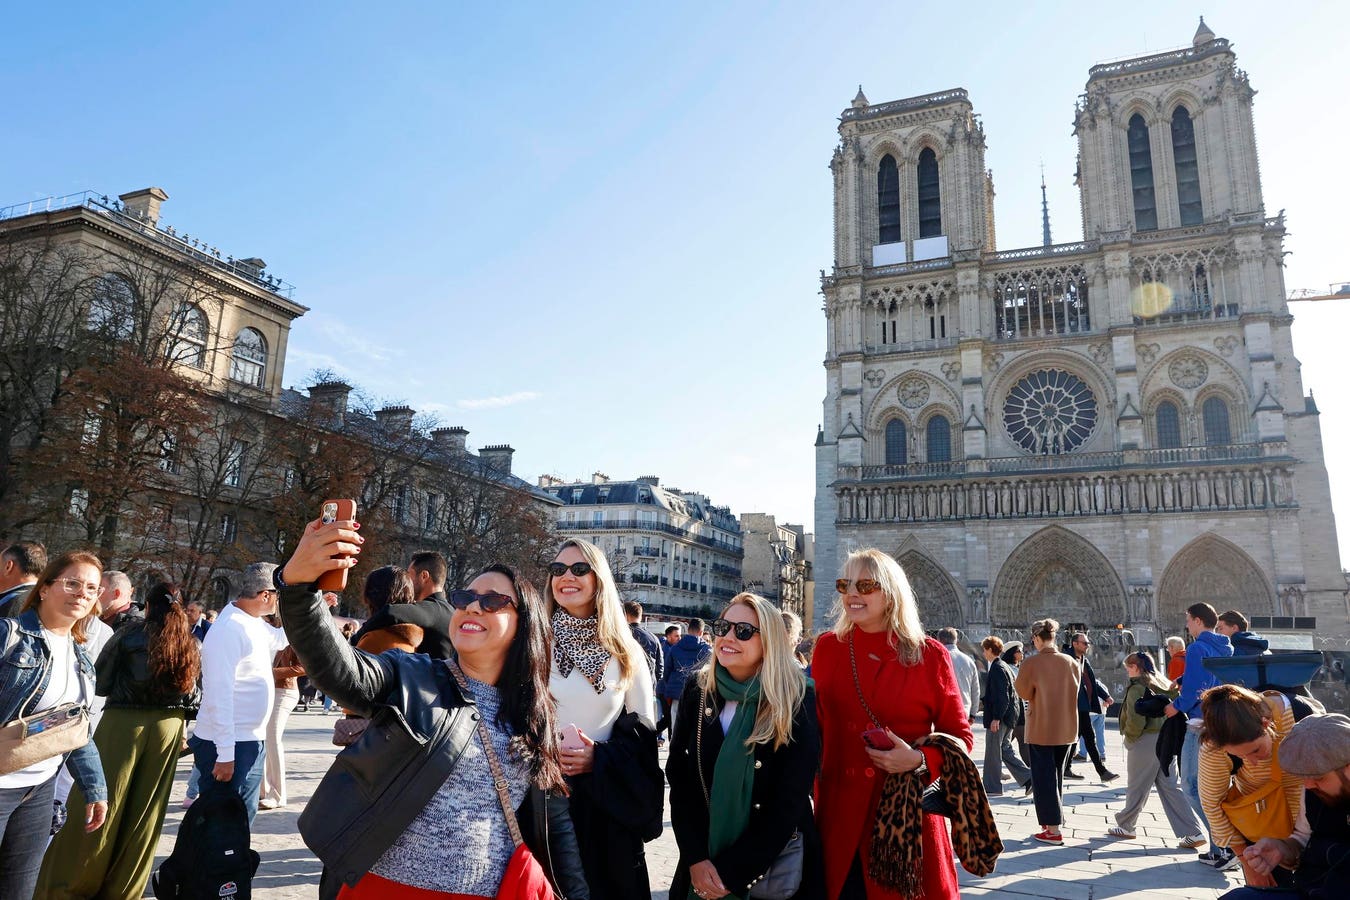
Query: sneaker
x,y
1190,843
1045,837
1230,862
1074,776
1106,777
1116,831
1082,757
1212,858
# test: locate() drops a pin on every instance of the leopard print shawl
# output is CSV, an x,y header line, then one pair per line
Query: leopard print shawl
x,y
576,642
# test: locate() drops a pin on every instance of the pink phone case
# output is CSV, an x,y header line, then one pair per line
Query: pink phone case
x,y
571,738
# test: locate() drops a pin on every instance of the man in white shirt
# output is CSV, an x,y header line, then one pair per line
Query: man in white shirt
x,y
967,673
238,690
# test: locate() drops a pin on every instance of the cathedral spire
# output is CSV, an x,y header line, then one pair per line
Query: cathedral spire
x,y
1045,211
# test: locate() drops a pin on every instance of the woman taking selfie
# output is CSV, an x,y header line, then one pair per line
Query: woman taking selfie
x,y
42,667
148,671
744,759
428,800
877,673
606,715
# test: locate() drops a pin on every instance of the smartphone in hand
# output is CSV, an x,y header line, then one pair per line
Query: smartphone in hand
x,y
571,738
335,511
878,739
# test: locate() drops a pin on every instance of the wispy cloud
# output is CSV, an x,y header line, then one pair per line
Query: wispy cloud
x,y
499,402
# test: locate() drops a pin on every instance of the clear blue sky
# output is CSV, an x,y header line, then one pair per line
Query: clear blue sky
x,y
594,231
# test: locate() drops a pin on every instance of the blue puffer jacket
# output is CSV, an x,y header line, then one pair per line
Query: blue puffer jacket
x,y
1197,679
684,659
25,669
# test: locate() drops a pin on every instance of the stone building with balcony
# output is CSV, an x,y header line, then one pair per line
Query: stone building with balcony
x,y
1104,431
671,550
777,560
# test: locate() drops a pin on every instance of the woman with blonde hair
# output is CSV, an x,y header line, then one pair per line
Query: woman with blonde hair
x,y
1143,771
743,760
606,703
882,686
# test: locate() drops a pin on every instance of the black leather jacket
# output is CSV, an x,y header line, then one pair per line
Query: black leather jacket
x,y
124,673
420,724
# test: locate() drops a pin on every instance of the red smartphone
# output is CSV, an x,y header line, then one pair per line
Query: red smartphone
x,y
877,739
335,511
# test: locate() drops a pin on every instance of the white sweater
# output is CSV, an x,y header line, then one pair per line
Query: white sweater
x,y
595,714
237,685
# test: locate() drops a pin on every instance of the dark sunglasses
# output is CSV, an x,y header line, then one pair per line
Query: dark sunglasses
x,y
744,630
490,602
863,585
579,569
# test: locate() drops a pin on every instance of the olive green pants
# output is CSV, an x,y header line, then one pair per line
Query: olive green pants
x,y
139,749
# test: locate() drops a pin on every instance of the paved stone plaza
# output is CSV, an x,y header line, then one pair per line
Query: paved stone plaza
x,y
1087,866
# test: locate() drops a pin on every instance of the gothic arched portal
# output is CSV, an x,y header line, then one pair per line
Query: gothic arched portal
x,y
938,602
1211,570
1059,574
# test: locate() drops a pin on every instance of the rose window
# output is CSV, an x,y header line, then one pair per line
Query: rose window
x,y
1050,411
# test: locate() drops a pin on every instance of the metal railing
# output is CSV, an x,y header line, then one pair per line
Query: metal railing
x,y
640,525
1248,448
938,98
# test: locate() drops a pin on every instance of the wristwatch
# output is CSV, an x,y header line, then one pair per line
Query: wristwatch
x,y
921,769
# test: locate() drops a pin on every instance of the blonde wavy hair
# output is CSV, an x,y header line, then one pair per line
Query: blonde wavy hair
x,y
902,612
782,686
615,635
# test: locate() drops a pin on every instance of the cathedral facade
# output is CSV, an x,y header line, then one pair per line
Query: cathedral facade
x,y
1104,431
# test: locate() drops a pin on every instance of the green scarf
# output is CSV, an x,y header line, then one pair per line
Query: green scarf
x,y
734,773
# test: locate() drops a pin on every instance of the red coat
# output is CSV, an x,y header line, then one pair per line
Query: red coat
x,y
910,700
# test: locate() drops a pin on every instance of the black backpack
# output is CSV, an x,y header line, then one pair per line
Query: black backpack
x,y
211,859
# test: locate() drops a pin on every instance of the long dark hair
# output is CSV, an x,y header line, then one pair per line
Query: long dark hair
x,y
527,706
174,659
386,585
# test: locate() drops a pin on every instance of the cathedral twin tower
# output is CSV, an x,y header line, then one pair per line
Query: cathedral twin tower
x,y
1105,431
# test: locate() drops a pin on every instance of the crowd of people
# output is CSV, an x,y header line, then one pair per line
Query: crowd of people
x,y
523,727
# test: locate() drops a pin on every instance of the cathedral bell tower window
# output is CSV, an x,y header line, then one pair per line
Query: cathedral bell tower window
x,y
1188,168
1141,175
888,201
930,195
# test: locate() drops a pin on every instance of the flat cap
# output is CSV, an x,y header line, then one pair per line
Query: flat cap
x,y
1316,746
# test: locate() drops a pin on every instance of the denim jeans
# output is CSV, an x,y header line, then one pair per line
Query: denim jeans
x,y
25,826
1190,777
248,770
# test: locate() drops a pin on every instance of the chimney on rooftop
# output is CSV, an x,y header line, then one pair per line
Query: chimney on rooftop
x,y
395,418
450,439
331,397
253,267
548,481
144,204
650,479
599,478
498,456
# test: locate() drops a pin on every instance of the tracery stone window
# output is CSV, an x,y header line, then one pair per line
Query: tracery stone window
x,y
1039,302
1141,175
888,201
896,452
1167,425
1214,413
930,195
939,439
1050,411
1187,166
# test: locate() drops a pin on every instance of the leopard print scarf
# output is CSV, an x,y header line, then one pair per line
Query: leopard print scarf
x,y
576,642
897,841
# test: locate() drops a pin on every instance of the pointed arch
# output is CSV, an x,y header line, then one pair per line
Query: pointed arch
x,y
888,200
1057,573
1187,165
1212,570
929,194
934,590
1141,173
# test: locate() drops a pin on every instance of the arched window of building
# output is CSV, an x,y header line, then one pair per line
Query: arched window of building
x,y
1167,424
189,330
112,307
930,195
939,439
1214,412
1141,175
248,361
896,452
1188,169
888,201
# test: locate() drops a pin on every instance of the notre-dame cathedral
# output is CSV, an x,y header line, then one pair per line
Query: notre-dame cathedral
x,y
1104,431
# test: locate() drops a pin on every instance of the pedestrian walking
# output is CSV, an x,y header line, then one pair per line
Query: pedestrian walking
x,y
1143,772
43,667
742,770
1013,655
967,672
459,752
1092,694
1176,659
1002,708
21,564
148,672
667,721
877,673
607,712
690,654
286,672
1049,682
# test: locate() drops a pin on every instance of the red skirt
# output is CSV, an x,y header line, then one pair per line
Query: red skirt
x,y
373,887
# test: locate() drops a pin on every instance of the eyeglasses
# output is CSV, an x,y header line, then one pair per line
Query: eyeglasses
x,y
744,630
75,587
579,569
862,585
490,602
